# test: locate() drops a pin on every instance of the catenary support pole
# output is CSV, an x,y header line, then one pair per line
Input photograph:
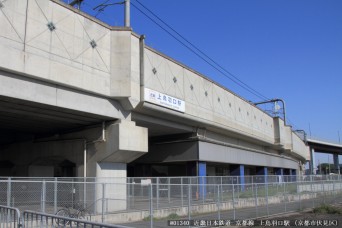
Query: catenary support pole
x,y
127,13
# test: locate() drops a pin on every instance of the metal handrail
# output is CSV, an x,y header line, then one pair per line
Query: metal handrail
x,y
6,216
50,219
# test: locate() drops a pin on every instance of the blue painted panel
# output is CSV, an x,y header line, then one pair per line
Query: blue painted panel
x,y
266,174
202,175
242,177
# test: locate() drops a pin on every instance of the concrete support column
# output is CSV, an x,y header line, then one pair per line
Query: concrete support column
x,y
280,173
313,169
113,176
239,170
202,175
293,174
336,163
262,171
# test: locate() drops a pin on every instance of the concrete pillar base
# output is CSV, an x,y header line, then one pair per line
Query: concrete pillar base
x,y
112,188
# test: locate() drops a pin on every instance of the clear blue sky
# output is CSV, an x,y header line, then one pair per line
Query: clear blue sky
x,y
289,49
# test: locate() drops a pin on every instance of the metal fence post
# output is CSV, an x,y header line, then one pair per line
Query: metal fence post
x,y
169,189
43,196
157,192
133,193
151,206
233,203
189,201
85,192
128,194
256,199
9,190
299,195
95,196
323,191
202,189
221,195
103,201
72,193
182,190
218,202
266,195
333,187
313,197
55,196
285,195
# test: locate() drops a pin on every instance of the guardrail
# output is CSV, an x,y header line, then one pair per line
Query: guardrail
x,y
9,217
39,219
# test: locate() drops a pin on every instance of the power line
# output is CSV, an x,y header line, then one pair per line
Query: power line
x,y
101,7
207,59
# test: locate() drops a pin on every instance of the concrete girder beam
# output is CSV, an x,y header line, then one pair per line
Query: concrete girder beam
x,y
125,143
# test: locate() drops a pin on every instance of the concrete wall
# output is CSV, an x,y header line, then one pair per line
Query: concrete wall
x,y
219,106
65,56
229,154
171,152
283,134
212,106
300,148
44,93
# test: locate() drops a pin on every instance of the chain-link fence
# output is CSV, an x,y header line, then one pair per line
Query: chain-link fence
x,y
142,202
188,179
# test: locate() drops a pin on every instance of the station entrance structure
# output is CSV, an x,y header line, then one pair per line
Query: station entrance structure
x,y
75,89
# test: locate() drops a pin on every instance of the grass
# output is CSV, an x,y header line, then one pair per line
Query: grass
x,y
173,216
169,217
327,209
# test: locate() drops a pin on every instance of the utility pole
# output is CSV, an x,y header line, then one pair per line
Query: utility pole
x,y
127,14
339,140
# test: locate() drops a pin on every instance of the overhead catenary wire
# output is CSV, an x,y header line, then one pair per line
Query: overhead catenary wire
x,y
100,8
195,50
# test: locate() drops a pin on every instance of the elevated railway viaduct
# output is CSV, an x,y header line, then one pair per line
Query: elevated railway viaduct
x,y
81,98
